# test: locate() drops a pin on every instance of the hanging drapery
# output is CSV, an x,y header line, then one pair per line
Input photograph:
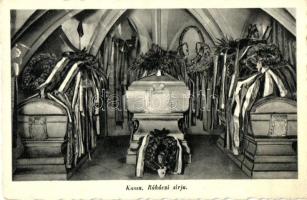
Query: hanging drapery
x,y
285,41
116,56
198,74
119,118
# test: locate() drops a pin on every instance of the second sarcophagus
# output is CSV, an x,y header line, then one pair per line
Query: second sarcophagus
x,y
270,147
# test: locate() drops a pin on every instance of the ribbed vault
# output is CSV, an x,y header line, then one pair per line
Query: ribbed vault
x,y
42,24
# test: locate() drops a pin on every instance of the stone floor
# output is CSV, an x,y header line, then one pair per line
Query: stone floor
x,y
208,162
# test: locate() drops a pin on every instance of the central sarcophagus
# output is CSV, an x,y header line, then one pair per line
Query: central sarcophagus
x,y
157,102
158,94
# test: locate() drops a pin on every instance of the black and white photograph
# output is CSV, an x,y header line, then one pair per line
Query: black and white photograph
x,y
154,94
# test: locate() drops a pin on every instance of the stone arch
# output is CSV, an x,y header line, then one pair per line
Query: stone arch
x,y
47,22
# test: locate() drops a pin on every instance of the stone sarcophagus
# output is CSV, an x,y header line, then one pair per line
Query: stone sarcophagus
x,y
157,102
42,126
270,145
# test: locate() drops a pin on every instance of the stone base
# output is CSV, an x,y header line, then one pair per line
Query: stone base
x,y
43,160
31,169
270,157
51,147
40,169
131,157
266,157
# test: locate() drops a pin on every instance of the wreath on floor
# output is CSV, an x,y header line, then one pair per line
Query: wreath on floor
x,y
161,151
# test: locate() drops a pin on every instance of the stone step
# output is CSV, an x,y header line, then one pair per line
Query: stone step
x,y
134,145
131,159
41,169
270,166
275,175
40,172
284,174
36,177
37,161
264,158
269,146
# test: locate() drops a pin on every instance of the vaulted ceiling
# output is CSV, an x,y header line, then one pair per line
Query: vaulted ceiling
x,y
161,26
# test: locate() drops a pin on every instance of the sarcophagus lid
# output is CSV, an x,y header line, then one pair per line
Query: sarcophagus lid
x,y
158,94
274,116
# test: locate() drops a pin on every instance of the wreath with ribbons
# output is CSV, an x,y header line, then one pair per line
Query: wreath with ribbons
x,y
203,61
161,151
37,70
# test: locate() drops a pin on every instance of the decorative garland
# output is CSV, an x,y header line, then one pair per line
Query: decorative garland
x,y
203,61
158,59
185,30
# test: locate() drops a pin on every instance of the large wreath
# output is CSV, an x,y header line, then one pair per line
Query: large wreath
x,y
37,71
268,54
161,151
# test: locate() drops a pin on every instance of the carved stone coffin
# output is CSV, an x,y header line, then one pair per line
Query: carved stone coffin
x,y
157,102
158,94
274,116
270,147
42,125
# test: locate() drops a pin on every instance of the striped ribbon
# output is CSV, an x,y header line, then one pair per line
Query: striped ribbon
x,y
268,85
140,158
246,89
281,87
178,168
70,75
58,68
252,85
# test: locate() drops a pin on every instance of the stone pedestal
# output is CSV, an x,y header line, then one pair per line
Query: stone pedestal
x,y
270,157
149,122
157,102
44,168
